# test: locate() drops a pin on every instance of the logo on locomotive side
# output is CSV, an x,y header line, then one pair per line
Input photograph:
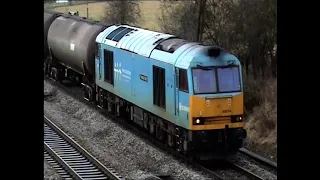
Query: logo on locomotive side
x,y
183,108
117,71
120,72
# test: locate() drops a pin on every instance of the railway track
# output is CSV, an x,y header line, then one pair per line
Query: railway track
x,y
70,159
228,170
258,158
213,172
244,171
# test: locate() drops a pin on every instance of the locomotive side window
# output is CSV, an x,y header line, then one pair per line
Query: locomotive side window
x,y
159,88
108,66
183,80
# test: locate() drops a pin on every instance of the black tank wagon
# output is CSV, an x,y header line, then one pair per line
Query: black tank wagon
x,y
72,47
71,40
48,18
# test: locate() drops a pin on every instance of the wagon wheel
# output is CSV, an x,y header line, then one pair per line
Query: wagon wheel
x,y
90,92
84,93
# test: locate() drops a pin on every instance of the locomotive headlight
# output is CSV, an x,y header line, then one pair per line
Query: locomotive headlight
x,y
198,121
236,118
239,118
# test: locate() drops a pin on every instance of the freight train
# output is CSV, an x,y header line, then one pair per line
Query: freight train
x,y
186,94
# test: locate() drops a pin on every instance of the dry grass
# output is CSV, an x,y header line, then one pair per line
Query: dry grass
x,y
96,10
261,121
150,10
51,5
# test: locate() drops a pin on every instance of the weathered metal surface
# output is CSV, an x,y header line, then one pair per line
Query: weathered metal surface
x,y
72,41
48,18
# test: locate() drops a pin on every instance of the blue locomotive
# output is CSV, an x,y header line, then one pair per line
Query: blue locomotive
x,y
188,95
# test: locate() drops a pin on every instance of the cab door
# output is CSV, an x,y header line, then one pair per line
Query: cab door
x,y
177,91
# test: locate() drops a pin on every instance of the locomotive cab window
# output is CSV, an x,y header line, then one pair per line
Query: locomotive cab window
x,y
216,80
159,88
108,66
183,80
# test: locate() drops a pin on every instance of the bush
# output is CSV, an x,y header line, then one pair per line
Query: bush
x,y
261,113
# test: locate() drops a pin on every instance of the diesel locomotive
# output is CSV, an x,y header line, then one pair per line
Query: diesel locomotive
x,y
186,94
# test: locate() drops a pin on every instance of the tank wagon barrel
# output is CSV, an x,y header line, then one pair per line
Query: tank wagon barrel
x,y
71,40
48,18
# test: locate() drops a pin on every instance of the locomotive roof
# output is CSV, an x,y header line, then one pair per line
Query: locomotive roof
x,y
137,40
163,47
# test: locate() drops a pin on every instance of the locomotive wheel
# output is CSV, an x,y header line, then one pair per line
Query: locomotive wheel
x,y
151,125
111,108
159,130
111,103
118,109
54,74
145,120
185,147
159,133
170,140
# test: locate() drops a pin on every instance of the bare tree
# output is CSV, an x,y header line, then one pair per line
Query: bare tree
x,y
122,12
201,18
247,28
258,26
179,18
